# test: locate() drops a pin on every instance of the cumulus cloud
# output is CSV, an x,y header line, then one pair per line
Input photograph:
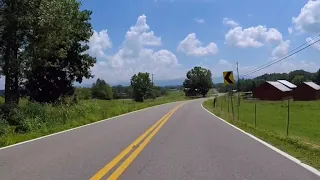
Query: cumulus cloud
x,y
200,21
309,18
230,22
98,43
281,50
316,45
290,30
137,55
192,46
252,36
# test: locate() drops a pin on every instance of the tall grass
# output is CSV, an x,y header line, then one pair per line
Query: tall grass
x,y
33,120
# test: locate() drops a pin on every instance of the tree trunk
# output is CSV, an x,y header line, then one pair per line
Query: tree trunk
x,y
11,72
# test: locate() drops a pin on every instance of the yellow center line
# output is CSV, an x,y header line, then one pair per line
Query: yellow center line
x,y
116,174
121,155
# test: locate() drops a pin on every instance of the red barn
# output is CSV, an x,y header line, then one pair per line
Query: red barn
x,y
307,91
273,91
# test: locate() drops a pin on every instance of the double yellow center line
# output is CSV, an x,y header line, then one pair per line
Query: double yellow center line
x,y
140,143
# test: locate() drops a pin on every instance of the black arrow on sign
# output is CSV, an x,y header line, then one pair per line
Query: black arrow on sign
x,y
227,78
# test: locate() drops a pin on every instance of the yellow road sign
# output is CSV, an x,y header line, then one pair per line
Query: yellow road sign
x,y
228,77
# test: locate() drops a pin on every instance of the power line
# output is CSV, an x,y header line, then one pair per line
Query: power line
x,y
281,59
312,41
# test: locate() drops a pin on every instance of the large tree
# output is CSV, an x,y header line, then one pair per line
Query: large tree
x,y
297,80
199,81
141,85
15,17
42,47
58,51
101,90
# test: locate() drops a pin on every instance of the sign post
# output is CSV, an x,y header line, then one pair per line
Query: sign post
x,y
229,80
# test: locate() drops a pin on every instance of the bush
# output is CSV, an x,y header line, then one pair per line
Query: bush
x,y
11,114
4,127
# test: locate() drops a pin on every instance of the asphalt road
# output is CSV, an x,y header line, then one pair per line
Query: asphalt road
x,y
187,144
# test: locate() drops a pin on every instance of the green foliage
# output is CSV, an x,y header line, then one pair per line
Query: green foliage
x,y
317,77
14,27
122,92
42,48
83,93
305,74
141,85
297,80
42,119
199,81
59,58
101,90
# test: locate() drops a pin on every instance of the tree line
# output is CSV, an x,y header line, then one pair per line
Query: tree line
x,y
296,77
138,90
198,82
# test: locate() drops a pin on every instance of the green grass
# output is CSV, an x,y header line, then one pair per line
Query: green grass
x,y
38,120
303,140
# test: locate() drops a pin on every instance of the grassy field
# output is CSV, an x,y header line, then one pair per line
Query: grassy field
x,y
303,140
36,120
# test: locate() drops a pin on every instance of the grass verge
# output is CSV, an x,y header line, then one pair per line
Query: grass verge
x,y
33,120
305,151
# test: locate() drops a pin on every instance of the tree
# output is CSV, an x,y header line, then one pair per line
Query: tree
x,y
141,86
83,93
317,77
101,90
199,81
14,27
56,50
297,80
42,47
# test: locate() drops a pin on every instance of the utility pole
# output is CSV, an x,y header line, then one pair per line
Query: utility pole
x,y
238,84
238,89
152,79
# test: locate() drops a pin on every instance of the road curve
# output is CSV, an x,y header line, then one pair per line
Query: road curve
x,y
188,143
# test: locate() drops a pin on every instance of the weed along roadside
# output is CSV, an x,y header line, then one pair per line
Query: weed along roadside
x,y
296,134
32,120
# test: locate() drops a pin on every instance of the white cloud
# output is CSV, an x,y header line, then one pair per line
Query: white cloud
x,y
316,45
229,22
290,30
281,50
200,21
309,18
98,43
136,55
252,36
192,46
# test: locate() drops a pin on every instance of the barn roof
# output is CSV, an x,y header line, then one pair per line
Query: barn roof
x,y
287,83
313,85
279,86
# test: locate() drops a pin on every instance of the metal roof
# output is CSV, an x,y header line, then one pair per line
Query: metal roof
x,y
279,86
313,85
287,83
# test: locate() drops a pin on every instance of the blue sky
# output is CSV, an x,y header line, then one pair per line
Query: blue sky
x,y
169,37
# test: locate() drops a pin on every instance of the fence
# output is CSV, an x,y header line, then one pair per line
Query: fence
x,y
287,118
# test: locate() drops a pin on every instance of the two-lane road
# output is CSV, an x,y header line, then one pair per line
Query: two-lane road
x,y
173,141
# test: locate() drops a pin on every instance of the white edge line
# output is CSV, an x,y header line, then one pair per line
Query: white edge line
x,y
99,121
297,161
